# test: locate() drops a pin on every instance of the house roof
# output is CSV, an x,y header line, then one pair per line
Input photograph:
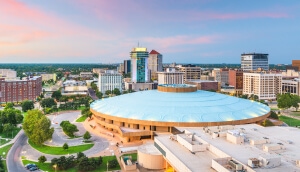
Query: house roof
x,y
154,52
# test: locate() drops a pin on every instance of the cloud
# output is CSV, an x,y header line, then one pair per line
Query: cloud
x,y
173,41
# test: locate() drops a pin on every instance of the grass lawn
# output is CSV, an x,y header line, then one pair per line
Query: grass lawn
x,y
4,141
59,150
4,163
5,149
10,134
290,121
47,166
81,108
81,119
133,156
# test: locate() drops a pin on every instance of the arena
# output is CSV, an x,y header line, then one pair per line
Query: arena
x,y
141,114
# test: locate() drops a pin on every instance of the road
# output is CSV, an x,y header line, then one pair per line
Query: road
x,y
13,159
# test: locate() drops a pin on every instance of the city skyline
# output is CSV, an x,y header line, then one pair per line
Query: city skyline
x,y
94,31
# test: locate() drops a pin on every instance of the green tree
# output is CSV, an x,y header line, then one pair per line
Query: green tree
x,y
94,86
273,115
7,128
1,165
68,128
49,102
284,101
37,127
112,163
87,135
56,95
27,105
65,146
295,100
99,94
116,91
9,106
100,160
107,92
42,159
267,123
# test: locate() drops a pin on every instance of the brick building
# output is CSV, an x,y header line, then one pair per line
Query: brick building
x,y
236,79
19,90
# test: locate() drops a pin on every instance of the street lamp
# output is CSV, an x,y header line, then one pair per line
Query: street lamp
x,y
107,166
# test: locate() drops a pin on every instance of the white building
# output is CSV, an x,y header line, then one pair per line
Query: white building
x,y
253,61
191,72
170,77
155,64
216,73
265,85
8,73
109,81
86,74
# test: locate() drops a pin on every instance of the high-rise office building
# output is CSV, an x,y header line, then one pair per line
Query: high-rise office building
x,y
139,65
253,61
127,66
155,64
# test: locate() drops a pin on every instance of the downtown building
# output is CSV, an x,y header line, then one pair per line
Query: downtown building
x,y
109,81
191,72
236,79
171,76
155,64
16,90
265,85
254,61
139,65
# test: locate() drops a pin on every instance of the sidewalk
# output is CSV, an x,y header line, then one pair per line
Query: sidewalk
x,y
12,140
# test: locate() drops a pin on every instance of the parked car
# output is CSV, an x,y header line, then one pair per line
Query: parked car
x,y
33,168
28,166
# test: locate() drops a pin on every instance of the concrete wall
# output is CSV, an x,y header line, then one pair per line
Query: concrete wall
x,y
154,162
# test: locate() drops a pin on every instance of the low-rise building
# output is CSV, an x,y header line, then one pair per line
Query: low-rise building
x,y
86,75
109,81
18,90
205,85
48,76
171,76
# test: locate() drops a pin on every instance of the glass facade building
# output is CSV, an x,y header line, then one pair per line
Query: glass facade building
x,y
139,65
253,61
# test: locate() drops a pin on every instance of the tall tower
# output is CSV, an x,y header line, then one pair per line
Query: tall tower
x,y
155,64
139,65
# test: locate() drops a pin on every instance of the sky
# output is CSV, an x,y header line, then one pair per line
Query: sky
x,y
183,31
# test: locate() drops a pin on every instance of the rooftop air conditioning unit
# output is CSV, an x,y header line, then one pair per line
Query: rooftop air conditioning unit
x,y
253,162
235,165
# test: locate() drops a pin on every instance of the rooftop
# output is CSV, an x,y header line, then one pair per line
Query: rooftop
x,y
198,106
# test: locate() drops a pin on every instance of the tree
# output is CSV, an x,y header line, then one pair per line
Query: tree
x,y
68,128
100,160
27,105
1,165
107,92
273,115
56,95
284,101
65,146
295,100
94,86
99,94
37,127
112,163
267,123
87,135
9,106
42,159
7,128
116,91
49,102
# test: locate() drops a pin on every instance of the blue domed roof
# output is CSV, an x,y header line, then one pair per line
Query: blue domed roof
x,y
199,106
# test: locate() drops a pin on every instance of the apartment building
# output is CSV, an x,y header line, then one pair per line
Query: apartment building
x,y
265,85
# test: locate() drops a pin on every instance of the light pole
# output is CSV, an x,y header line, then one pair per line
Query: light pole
x,y
107,166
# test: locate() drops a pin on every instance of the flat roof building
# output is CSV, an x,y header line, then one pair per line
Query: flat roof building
x,y
265,85
254,61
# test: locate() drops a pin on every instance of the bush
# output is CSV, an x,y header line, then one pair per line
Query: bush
x,y
42,159
267,123
274,115
68,128
112,163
